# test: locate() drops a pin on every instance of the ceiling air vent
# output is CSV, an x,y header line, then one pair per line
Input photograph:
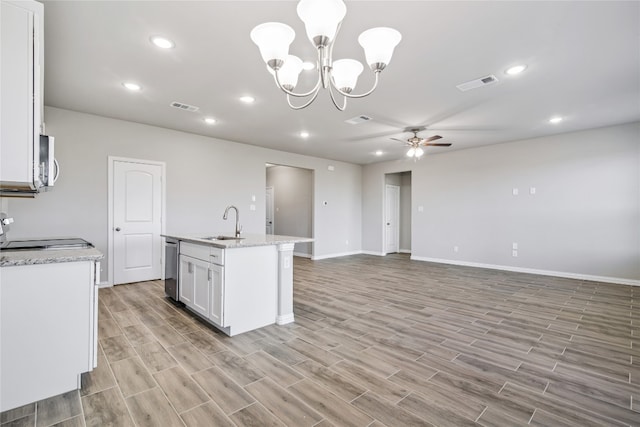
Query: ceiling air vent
x,y
358,119
483,81
185,107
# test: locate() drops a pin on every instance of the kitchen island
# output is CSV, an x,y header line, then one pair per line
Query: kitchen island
x,y
237,284
48,322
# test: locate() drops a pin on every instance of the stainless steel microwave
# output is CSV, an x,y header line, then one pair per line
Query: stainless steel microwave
x,y
49,168
45,172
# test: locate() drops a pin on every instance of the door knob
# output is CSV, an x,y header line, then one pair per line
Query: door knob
x,y
117,228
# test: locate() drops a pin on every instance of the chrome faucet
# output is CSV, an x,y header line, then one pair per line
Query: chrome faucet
x,y
4,226
226,212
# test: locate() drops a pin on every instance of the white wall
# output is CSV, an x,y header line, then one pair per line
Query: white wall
x,y
584,219
204,175
293,203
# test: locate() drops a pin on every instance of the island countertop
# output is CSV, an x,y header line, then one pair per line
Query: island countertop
x,y
248,240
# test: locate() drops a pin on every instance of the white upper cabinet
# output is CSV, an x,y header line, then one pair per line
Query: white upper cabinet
x,y
21,94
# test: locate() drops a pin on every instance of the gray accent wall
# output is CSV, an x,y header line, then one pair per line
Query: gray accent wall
x,y
584,218
203,176
293,203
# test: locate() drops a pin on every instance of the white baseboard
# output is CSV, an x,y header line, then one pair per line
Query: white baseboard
x,y
104,285
283,320
303,255
617,280
405,251
315,258
373,253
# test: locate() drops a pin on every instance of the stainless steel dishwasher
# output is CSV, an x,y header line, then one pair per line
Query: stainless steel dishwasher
x,y
171,268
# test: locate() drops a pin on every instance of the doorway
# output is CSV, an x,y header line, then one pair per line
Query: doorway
x,y
397,213
392,219
292,199
136,220
269,210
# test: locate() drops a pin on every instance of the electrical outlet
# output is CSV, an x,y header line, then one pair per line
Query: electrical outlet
x,y
514,245
455,249
515,191
532,191
514,253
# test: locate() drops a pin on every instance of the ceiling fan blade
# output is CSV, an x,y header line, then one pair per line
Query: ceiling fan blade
x,y
400,140
433,138
439,144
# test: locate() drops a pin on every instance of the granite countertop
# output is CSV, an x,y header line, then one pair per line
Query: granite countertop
x,y
248,240
10,258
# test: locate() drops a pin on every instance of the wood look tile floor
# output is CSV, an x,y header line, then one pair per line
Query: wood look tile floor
x,y
377,341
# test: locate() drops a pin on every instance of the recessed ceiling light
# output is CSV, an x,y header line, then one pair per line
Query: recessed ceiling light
x,y
306,65
132,86
210,120
517,69
162,42
247,99
304,134
555,120
379,153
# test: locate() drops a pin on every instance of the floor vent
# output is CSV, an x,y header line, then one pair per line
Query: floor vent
x,y
473,84
185,107
358,119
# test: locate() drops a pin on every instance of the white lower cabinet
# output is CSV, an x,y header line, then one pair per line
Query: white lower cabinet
x,y
234,289
186,280
195,284
48,333
216,307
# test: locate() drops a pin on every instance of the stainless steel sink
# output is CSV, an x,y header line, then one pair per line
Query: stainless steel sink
x,y
222,238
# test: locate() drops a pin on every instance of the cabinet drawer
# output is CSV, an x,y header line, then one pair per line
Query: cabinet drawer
x,y
195,251
203,252
217,256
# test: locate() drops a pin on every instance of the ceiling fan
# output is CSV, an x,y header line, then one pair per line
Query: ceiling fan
x,y
416,143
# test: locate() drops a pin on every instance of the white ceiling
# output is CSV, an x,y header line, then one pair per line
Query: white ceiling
x,y
583,63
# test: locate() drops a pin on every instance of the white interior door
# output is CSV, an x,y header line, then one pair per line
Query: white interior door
x,y
137,222
392,219
269,209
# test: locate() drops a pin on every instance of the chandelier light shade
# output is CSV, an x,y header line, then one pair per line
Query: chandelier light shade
x,y
345,74
322,19
289,72
273,39
378,45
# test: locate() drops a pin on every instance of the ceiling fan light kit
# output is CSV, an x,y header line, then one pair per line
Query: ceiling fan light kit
x,y
322,19
416,143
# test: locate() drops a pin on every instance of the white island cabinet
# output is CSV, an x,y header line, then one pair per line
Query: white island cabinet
x,y
48,325
238,285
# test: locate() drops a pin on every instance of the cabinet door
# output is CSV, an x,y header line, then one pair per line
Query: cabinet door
x,y
20,86
186,282
202,286
46,330
216,312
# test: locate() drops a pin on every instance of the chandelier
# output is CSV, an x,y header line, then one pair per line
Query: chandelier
x,y
322,20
